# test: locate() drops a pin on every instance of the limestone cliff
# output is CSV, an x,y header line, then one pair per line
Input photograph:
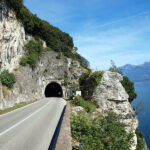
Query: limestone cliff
x,y
111,96
31,81
12,38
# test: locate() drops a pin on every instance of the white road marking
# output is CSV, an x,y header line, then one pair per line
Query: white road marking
x,y
15,125
5,114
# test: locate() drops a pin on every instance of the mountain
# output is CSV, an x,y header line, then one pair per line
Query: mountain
x,y
137,73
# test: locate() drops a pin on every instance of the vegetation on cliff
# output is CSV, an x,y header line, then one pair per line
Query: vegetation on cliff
x,y
88,83
126,83
33,50
55,39
129,87
8,79
87,105
98,132
140,140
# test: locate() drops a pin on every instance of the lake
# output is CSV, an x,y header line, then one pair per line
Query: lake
x,y
143,91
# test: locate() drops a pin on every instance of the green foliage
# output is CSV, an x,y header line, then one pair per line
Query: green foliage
x,y
114,68
129,87
23,61
140,140
87,105
88,83
48,49
34,47
33,52
66,79
54,37
105,133
16,5
58,56
7,79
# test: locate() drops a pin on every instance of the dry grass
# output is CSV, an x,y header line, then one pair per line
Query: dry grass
x,y
21,104
5,91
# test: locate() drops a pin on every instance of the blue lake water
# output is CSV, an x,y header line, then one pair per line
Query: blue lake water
x,y
143,91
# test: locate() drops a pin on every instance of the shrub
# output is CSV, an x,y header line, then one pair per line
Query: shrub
x,y
129,87
32,59
33,51
87,105
58,56
23,61
140,140
7,79
34,46
55,39
88,83
103,133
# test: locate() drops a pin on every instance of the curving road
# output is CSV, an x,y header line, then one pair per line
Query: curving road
x,y
31,127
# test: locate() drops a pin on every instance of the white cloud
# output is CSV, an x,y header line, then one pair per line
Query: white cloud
x,y
124,42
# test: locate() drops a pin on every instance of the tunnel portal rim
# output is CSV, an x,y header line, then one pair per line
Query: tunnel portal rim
x,y
58,92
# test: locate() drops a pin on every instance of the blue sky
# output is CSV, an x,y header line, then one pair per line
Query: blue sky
x,y
103,30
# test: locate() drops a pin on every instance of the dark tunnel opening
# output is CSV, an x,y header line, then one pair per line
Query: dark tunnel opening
x,y
53,89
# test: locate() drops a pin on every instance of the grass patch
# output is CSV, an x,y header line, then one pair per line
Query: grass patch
x,y
87,105
16,106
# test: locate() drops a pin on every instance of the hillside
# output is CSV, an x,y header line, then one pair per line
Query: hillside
x,y
137,73
36,56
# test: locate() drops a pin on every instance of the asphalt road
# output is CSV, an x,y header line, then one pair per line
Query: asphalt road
x,y
31,127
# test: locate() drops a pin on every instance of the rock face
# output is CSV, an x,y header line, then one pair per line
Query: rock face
x,y
12,38
31,81
111,95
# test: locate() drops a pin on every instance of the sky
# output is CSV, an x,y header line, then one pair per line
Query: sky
x,y
103,30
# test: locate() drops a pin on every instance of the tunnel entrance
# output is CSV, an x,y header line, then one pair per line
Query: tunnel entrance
x,y
53,89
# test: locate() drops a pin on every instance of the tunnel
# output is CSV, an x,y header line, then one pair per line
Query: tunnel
x,y
53,89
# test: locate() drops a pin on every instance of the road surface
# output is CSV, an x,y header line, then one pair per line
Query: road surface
x,y
31,127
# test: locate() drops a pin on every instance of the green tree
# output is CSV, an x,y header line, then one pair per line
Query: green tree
x,y
129,87
114,68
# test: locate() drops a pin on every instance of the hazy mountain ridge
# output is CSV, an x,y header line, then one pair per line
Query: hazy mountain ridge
x,y
137,73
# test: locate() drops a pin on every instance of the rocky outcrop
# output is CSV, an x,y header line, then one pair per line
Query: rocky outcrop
x,y
111,96
12,38
32,81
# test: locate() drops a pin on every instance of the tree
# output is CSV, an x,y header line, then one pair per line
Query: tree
x,y
114,68
129,87
139,107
